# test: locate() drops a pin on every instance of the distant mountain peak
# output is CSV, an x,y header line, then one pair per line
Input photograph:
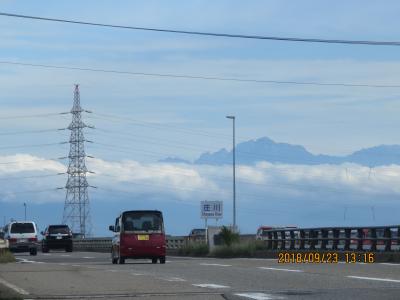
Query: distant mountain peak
x,y
174,159
265,149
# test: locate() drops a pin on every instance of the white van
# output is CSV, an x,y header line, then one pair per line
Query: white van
x,y
21,236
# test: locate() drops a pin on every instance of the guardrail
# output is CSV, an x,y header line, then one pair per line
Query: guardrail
x,y
93,244
176,242
104,244
376,238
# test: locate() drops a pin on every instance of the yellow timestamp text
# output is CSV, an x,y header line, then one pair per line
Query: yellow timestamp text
x,y
325,257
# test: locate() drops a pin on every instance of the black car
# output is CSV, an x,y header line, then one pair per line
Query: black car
x,y
57,237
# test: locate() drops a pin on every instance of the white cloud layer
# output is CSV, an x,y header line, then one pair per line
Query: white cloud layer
x,y
24,175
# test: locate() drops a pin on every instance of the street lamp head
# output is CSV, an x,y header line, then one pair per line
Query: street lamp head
x,y
230,117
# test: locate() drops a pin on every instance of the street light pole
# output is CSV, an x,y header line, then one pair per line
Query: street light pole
x,y
25,210
234,172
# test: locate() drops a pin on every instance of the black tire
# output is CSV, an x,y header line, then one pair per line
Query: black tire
x,y
113,259
121,260
162,260
45,249
68,249
33,251
154,260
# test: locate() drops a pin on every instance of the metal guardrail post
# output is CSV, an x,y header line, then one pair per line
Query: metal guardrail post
x,y
398,236
347,233
336,233
292,240
324,241
302,239
275,241
269,241
311,240
360,241
388,241
373,239
283,240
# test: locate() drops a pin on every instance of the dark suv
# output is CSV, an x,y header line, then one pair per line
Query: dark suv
x,y
57,237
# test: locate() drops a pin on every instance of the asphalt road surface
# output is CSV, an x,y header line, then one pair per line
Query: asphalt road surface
x,y
80,275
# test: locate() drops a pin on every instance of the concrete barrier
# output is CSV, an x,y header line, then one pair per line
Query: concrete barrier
x,y
3,245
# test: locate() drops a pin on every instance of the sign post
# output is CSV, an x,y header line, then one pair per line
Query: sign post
x,y
211,210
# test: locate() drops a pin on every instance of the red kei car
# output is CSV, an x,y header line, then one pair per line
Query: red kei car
x,y
138,234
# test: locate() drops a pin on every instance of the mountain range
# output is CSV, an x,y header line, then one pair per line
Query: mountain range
x,y
265,149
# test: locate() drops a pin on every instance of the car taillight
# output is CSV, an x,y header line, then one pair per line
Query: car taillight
x,y
33,239
10,240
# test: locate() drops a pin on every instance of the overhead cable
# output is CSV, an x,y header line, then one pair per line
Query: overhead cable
x,y
199,77
213,34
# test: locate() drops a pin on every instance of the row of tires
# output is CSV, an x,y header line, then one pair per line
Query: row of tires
x,y
117,258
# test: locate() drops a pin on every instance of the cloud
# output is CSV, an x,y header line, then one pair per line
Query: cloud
x,y
192,183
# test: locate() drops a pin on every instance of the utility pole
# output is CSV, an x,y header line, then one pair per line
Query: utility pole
x,y
76,207
233,171
25,211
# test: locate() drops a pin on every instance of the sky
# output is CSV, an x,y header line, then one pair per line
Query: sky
x,y
141,119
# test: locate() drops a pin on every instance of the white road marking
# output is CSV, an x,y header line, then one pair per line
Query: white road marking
x,y
173,279
24,260
281,269
375,279
47,254
390,264
88,257
112,271
63,264
76,265
65,255
211,286
259,296
137,274
218,265
14,287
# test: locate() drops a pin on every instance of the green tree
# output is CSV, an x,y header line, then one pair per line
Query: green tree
x,y
228,236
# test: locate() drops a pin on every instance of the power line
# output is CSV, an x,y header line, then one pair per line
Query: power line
x,y
31,191
228,79
29,160
115,118
30,145
29,177
29,116
29,131
214,34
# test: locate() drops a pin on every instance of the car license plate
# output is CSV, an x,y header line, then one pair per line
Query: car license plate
x,y
143,237
23,240
59,237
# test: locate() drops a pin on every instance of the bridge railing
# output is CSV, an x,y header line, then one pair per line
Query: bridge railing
x,y
376,238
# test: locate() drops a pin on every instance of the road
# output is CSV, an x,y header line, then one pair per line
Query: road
x,y
79,275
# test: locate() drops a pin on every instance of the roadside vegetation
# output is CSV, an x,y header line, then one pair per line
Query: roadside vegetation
x,y
194,249
230,246
6,256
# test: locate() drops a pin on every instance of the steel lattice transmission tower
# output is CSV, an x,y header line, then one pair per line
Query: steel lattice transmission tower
x,y
76,208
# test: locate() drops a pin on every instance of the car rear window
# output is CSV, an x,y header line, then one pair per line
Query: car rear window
x,y
142,221
22,228
58,229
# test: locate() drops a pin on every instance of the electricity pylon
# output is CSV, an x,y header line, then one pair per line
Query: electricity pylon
x,y
76,208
